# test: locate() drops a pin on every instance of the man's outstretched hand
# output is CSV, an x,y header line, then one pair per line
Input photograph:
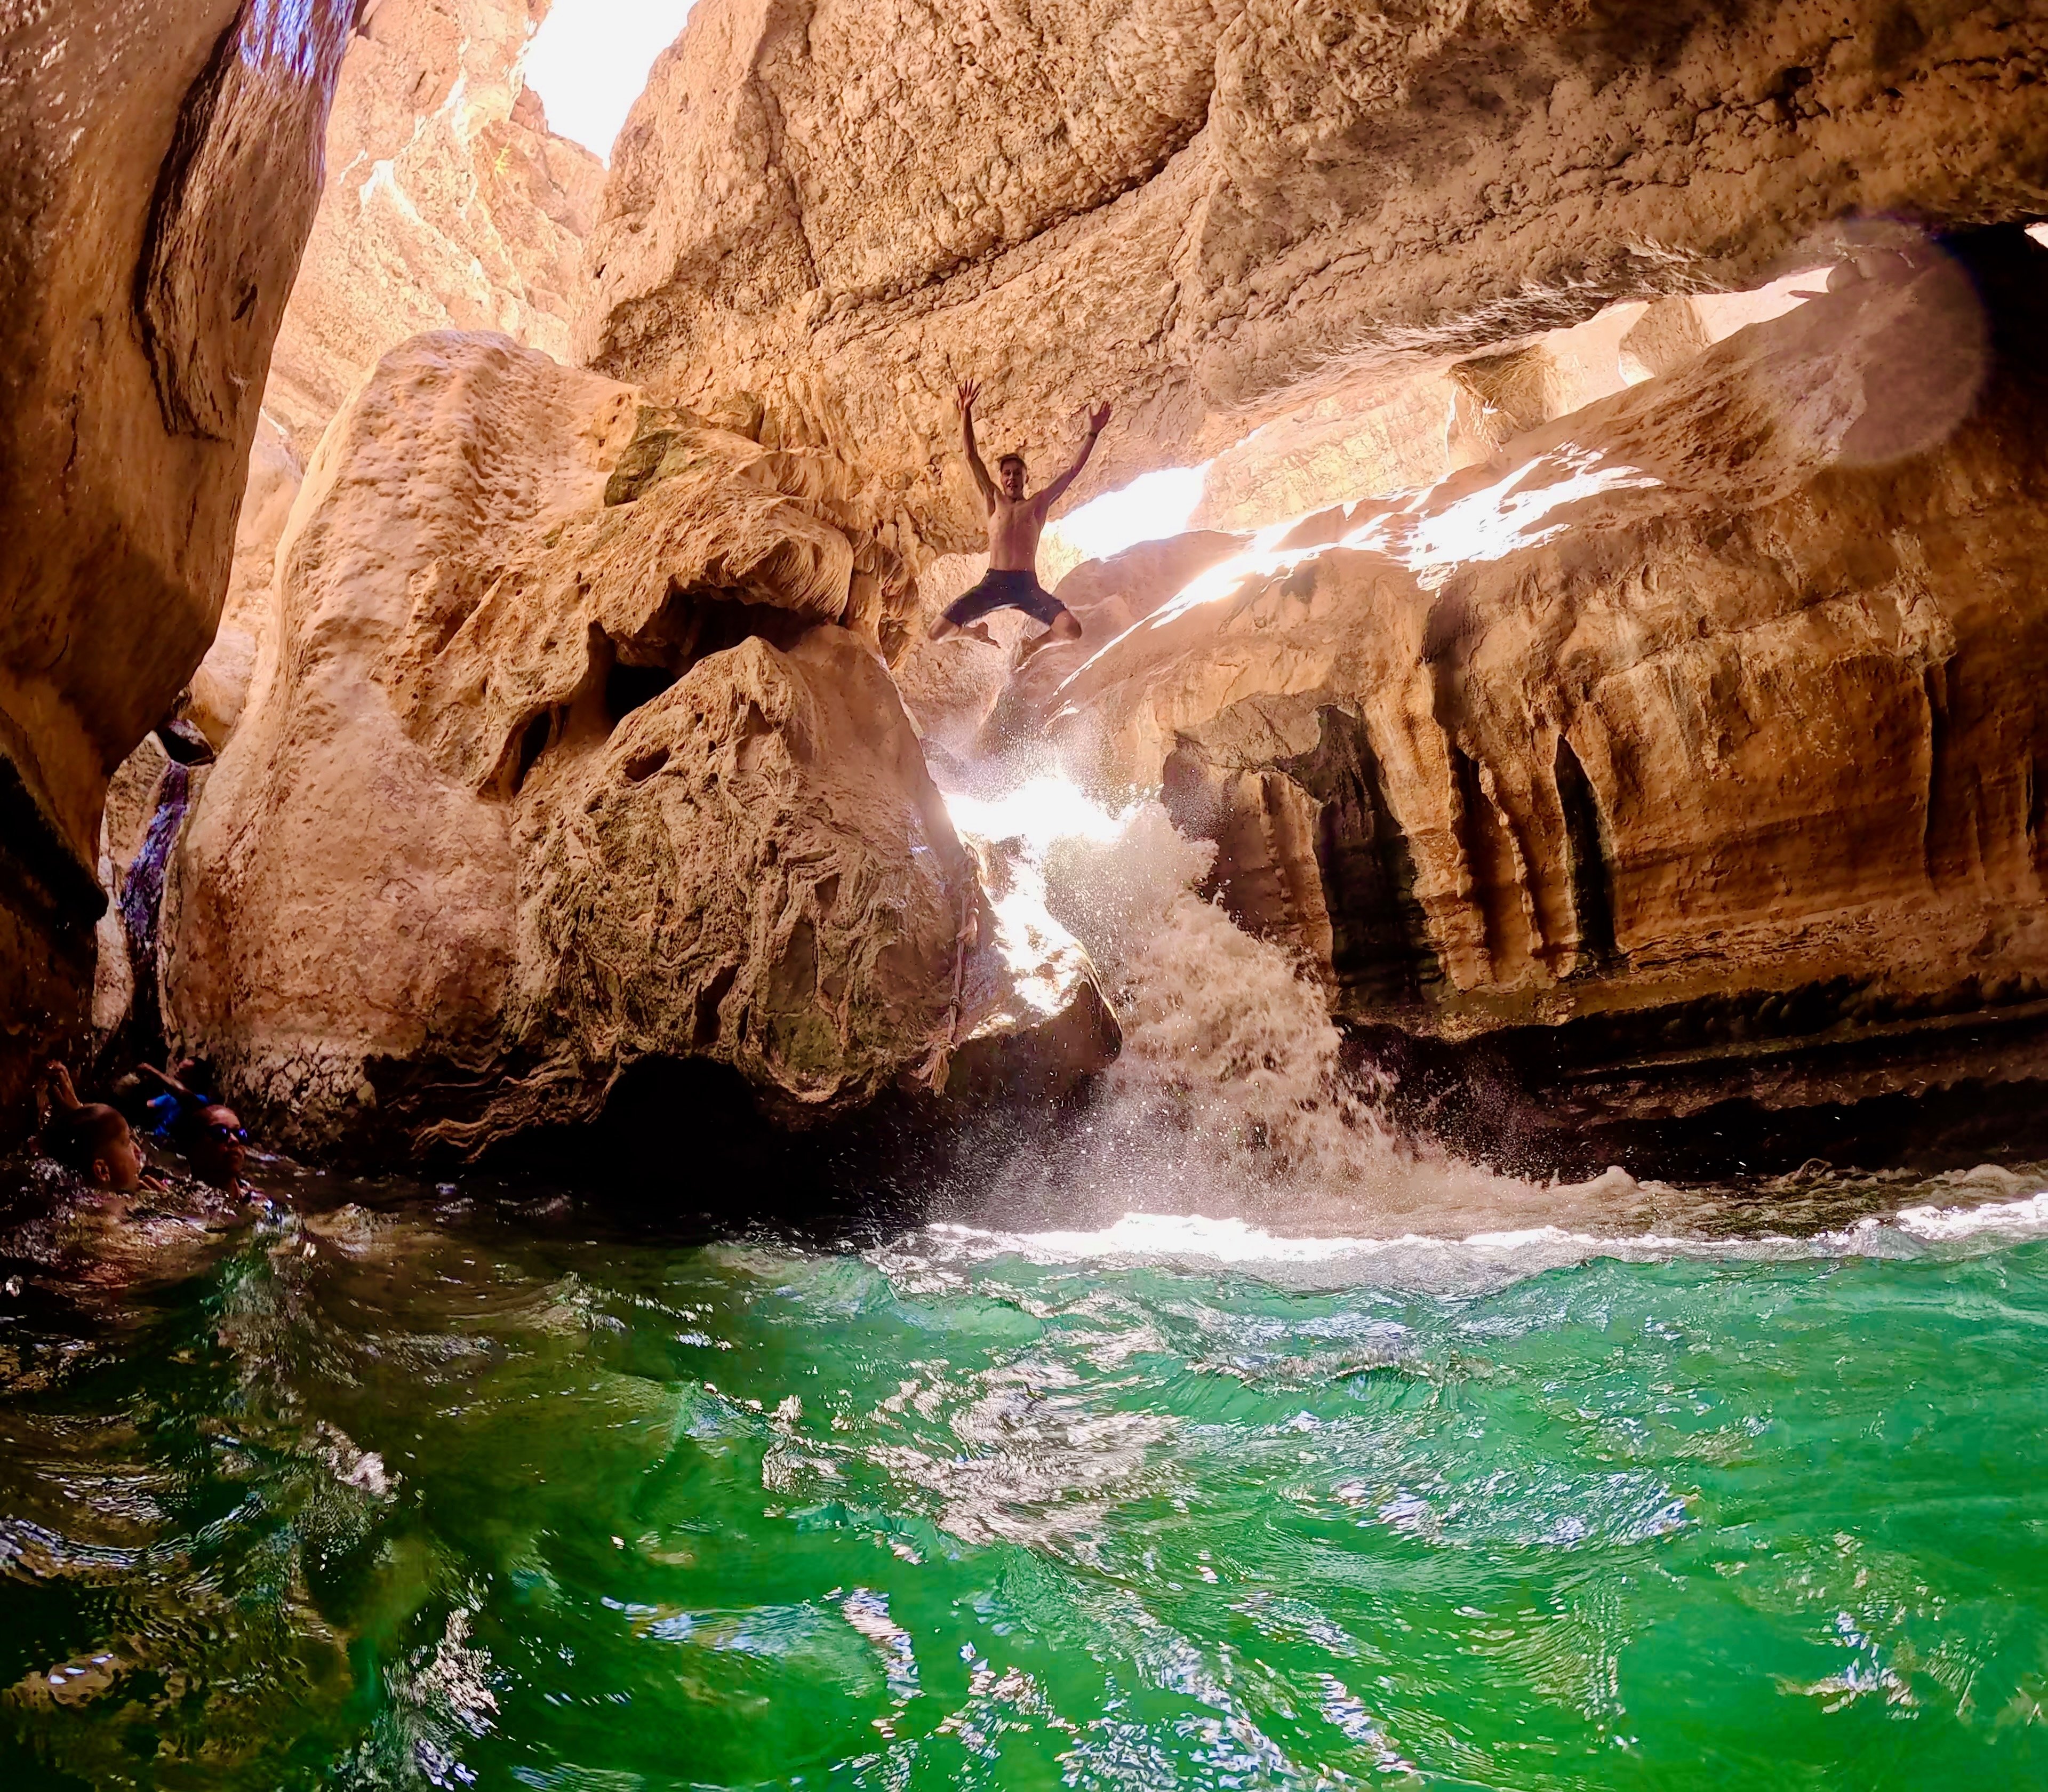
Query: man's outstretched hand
x,y
1098,420
970,390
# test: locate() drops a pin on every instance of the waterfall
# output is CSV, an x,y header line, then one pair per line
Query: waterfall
x,y
1232,1098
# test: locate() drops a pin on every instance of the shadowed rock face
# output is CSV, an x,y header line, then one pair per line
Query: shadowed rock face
x,y
571,747
161,170
1208,212
1699,730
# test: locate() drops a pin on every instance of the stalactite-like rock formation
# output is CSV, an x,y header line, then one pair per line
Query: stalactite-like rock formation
x,y
1208,210
571,747
160,165
1694,746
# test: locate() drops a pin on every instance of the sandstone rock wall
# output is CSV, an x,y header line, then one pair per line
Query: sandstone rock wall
x,y
1703,725
1209,211
450,205
159,169
571,745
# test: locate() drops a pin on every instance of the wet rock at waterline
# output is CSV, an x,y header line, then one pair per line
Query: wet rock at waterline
x,y
571,747
1211,214
162,168
1692,750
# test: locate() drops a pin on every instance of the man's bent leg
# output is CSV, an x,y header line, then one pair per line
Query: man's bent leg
x,y
946,625
963,615
1066,626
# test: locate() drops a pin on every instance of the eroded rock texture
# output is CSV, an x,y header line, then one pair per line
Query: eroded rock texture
x,y
160,164
1207,210
1696,744
571,745
450,205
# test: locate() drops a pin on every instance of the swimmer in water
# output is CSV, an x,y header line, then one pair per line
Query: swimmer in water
x,y
1015,520
209,1132
90,1137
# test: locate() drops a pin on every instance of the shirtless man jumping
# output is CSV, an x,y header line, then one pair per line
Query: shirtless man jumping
x,y
1014,523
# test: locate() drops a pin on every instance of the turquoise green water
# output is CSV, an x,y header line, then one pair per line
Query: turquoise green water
x,y
454,1497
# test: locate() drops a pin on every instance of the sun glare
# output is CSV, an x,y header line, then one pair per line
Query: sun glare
x,y
589,61
1045,809
1486,525
1148,508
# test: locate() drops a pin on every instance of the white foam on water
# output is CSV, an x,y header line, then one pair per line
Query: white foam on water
x,y
2008,1222
1229,1097
1229,1135
936,1256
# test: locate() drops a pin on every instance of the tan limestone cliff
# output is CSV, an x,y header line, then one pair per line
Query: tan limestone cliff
x,y
1211,211
450,205
571,747
1703,724
159,170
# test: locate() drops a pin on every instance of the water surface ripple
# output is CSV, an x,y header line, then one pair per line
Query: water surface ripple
x,y
412,1493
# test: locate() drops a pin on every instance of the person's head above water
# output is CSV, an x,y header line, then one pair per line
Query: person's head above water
x,y
1009,471
214,1143
97,1142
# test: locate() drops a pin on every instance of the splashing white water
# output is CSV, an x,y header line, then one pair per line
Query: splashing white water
x,y
945,1257
1230,1098
1231,1134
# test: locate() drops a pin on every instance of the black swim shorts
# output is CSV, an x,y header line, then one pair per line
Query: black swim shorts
x,y
1005,590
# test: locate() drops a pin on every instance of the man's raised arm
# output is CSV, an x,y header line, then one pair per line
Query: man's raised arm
x,y
970,390
1097,418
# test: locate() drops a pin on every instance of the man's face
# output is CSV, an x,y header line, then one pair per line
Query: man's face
x,y
1011,474
219,1151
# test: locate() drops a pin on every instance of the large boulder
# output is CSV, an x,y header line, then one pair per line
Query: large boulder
x,y
572,747
450,205
1209,211
160,165
1692,747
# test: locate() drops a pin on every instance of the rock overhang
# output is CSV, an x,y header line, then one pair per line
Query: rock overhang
x,y
1208,214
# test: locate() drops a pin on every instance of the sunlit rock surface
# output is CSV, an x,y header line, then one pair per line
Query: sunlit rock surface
x,y
220,686
161,171
1704,720
1377,433
1211,213
571,745
449,204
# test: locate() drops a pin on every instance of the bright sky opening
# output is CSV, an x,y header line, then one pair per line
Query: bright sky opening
x,y
589,61
1156,504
